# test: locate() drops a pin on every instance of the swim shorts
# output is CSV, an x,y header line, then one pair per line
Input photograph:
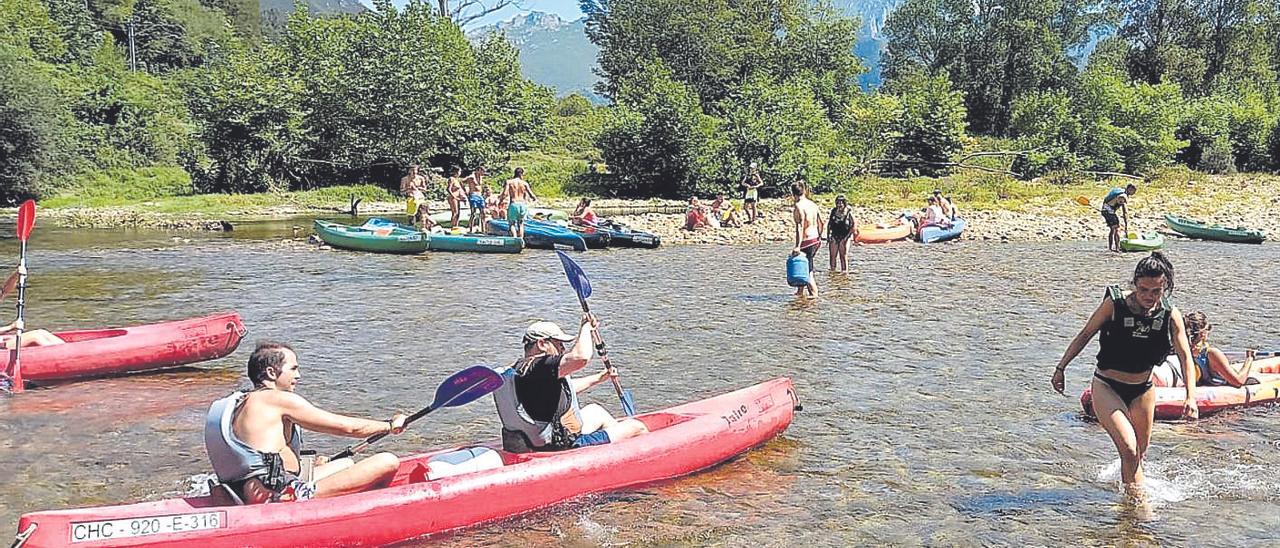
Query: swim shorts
x,y
599,437
516,212
475,200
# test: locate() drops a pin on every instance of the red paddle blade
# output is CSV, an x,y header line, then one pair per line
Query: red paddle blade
x,y
26,219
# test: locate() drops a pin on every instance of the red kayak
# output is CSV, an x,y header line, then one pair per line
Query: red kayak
x,y
97,352
439,491
1211,399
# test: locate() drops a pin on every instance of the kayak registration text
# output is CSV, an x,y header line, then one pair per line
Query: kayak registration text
x,y
90,531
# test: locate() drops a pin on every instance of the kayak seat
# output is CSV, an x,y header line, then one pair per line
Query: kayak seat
x,y
224,491
456,463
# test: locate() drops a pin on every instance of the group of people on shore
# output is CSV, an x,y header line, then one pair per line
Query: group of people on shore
x,y
254,437
511,203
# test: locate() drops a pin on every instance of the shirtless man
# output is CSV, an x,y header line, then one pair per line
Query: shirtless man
x,y
455,195
254,439
809,227
516,193
412,187
475,199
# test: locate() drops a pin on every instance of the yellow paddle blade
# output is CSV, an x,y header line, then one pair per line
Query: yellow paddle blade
x,y
1082,201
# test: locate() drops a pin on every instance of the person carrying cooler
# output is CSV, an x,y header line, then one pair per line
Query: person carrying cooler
x,y
750,186
1117,199
538,401
254,439
1212,366
1139,328
808,232
516,193
474,184
840,226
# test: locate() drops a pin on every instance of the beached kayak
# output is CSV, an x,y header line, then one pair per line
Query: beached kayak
x,y
541,235
372,239
99,352
594,238
425,498
1209,399
624,236
442,241
1192,228
1146,241
932,234
884,232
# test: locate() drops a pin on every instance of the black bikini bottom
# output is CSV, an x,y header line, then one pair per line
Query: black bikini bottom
x,y
1127,392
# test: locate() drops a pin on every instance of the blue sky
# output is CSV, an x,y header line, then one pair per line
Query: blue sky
x,y
566,9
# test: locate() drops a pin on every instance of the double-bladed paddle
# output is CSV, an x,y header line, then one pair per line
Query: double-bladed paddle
x,y
460,389
26,222
582,286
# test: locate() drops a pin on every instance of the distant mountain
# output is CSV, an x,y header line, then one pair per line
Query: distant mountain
x,y
871,42
553,52
316,6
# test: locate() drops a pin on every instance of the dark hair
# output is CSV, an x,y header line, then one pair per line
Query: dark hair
x,y
1155,266
519,172
1131,185
455,170
585,201
1197,324
798,189
268,354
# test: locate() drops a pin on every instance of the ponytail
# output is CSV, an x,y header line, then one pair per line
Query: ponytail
x,y
1197,324
1155,266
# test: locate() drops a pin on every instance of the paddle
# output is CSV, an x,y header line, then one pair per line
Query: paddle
x,y
1083,201
26,222
582,286
460,389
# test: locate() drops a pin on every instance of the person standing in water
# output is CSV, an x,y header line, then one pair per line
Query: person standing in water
x,y
516,193
1139,328
808,232
840,227
1117,199
475,199
750,185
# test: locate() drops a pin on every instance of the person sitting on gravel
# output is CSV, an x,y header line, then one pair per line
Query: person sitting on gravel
x,y
697,216
722,211
934,215
948,209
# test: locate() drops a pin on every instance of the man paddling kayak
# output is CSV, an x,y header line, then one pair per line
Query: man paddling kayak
x,y
538,403
1117,199
1139,328
254,439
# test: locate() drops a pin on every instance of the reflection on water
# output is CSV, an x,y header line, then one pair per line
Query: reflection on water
x,y
924,373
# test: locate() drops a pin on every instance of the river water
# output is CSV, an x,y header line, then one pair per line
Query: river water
x,y
928,417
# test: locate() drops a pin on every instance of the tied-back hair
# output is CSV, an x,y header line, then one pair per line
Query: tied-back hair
x,y
268,354
798,189
1197,324
1154,266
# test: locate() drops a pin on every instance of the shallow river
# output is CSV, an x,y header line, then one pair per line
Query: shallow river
x,y
928,417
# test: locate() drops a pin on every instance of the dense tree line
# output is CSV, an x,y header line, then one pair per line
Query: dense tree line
x,y
330,100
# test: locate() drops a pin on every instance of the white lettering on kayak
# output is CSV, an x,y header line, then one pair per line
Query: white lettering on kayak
x,y
488,241
92,531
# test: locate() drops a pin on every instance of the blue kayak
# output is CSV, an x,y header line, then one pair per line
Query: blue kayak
x,y
932,234
595,239
540,235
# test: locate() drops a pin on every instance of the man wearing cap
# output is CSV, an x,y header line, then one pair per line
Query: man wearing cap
x,y
538,402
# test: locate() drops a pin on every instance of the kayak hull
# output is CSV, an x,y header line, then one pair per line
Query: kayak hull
x,y
594,238
1192,228
373,240
1146,241
885,232
101,352
934,234
445,218
683,439
540,236
623,236
1209,399
474,243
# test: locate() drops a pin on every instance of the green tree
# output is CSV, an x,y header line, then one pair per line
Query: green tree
x,y
36,129
931,128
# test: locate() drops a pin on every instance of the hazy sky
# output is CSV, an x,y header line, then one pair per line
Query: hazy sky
x,y
566,9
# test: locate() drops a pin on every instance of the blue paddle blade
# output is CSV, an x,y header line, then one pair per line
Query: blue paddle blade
x,y
577,278
466,386
628,404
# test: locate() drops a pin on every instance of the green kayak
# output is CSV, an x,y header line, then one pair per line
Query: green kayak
x,y
1145,241
372,239
1192,228
440,241
445,218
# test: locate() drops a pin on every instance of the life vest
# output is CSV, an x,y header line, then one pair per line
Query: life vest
x,y
1133,343
520,432
234,460
1111,196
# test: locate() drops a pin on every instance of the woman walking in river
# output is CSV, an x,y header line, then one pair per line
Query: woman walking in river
x,y
1139,327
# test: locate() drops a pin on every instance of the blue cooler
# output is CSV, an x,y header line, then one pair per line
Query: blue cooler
x,y
798,271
